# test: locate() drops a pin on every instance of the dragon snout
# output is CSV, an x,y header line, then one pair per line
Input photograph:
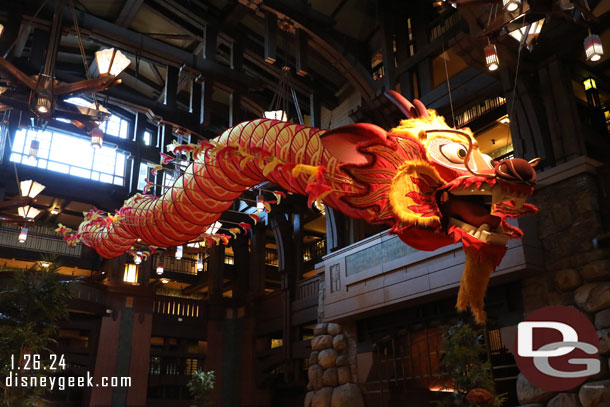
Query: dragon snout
x,y
516,169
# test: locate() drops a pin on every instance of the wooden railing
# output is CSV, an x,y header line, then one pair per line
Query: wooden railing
x,y
307,288
40,239
87,292
176,306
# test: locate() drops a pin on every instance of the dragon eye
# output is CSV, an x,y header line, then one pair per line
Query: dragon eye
x,y
490,161
454,152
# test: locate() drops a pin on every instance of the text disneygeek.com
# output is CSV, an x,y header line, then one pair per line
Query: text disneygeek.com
x,y
15,380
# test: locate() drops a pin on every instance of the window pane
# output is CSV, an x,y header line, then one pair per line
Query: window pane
x,y
147,137
58,167
79,172
19,141
106,178
104,161
124,128
95,175
71,150
143,174
31,161
16,157
120,164
42,164
118,181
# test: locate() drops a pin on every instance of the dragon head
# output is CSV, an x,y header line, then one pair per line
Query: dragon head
x,y
434,187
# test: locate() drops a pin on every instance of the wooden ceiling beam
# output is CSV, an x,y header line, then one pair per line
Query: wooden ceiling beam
x,y
128,12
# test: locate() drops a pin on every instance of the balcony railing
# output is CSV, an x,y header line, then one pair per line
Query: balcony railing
x,y
179,307
308,288
40,239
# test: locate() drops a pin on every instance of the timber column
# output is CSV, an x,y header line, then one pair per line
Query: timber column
x,y
123,348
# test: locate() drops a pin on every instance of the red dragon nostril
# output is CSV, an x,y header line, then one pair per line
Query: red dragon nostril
x,y
516,169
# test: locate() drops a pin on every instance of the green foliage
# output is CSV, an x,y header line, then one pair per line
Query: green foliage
x,y
200,386
32,304
462,364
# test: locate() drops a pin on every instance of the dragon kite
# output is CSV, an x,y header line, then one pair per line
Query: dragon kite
x,y
427,181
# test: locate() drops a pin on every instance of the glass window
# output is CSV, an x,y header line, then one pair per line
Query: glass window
x,y
142,175
147,137
69,154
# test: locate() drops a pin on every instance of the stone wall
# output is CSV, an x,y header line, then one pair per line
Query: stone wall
x,y
577,274
331,370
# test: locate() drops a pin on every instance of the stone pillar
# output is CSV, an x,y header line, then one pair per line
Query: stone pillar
x,y
332,369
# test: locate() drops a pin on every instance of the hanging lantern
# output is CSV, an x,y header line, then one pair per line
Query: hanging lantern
x,y
23,235
511,5
275,115
260,203
138,258
97,138
34,147
160,269
179,252
491,57
41,99
199,264
593,47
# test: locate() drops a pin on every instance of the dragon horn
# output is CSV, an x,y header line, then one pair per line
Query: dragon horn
x,y
421,109
402,103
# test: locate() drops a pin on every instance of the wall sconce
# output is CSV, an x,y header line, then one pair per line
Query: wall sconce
x,y
179,252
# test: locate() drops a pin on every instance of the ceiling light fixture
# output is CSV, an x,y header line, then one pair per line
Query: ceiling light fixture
x,y
97,138
511,5
111,62
23,235
30,188
28,212
491,57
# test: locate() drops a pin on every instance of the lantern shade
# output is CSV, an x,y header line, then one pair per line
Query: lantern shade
x,y
199,264
589,83
491,57
30,188
111,62
28,212
593,48
97,138
260,203
23,235
160,269
179,252
138,258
